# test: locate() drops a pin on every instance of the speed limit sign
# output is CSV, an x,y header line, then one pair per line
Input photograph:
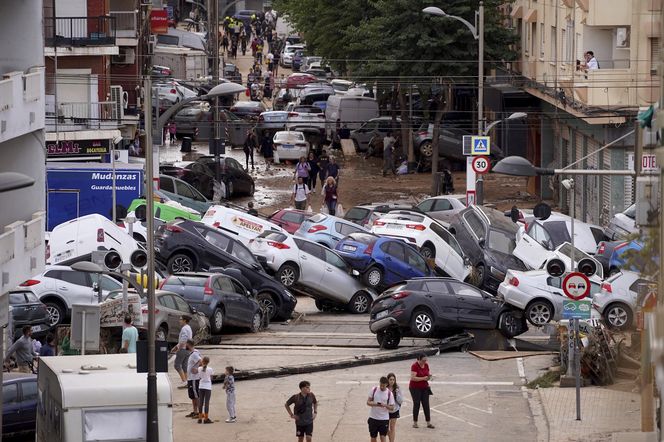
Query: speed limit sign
x,y
481,164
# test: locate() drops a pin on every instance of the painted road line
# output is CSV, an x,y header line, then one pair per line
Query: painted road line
x,y
457,418
483,383
488,411
521,369
450,401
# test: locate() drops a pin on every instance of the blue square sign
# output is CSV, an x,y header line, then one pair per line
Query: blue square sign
x,y
576,309
480,145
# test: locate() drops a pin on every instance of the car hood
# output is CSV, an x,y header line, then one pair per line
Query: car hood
x,y
503,261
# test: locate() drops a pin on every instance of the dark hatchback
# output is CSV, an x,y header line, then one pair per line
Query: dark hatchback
x,y
190,246
201,175
488,238
27,309
439,307
19,404
223,299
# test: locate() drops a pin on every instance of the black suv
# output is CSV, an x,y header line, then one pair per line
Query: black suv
x,y
439,307
488,238
190,246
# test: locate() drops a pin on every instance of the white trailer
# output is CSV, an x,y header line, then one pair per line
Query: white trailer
x,y
185,63
98,398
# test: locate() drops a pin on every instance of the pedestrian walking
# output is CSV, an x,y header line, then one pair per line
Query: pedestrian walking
x,y
205,390
300,194
333,169
381,401
330,197
250,209
224,42
172,130
249,147
129,336
180,350
323,161
398,400
25,353
313,171
302,169
388,154
270,60
229,386
193,379
419,389
267,149
305,410
48,349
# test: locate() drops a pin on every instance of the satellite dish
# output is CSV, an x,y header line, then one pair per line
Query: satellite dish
x,y
542,211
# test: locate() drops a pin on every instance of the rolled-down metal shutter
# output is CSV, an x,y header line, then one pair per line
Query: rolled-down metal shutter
x,y
592,194
579,140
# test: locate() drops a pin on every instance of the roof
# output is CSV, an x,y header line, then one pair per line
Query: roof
x,y
16,376
117,385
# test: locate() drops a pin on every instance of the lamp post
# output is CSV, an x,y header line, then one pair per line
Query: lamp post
x,y
478,34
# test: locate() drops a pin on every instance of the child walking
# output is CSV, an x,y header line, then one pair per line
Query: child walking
x,y
229,386
205,391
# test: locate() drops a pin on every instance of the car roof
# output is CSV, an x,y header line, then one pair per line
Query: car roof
x,y
455,196
12,377
247,104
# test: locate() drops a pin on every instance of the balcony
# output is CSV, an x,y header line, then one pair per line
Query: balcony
x,y
21,251
21,103
608,12
125,24
79,31
71,116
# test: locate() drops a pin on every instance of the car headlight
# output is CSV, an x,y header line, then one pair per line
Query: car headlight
x,y
497,273
289,294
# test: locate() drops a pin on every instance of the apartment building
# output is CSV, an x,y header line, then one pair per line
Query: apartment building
x,y
21,140
83,111
582,110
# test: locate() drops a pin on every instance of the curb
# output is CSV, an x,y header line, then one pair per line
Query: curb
x,y
356,361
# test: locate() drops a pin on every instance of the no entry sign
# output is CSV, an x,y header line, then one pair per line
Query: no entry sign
x,y
576,286
481,164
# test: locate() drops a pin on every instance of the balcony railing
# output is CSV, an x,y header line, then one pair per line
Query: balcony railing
x,y
79,31
6,94
125,24
77,116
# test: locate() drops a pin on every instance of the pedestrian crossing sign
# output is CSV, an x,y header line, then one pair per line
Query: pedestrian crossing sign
x,y
480,145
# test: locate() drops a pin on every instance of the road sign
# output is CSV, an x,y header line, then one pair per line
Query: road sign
x,y
470,197
481,164
576,309
576,286
649,162
480,145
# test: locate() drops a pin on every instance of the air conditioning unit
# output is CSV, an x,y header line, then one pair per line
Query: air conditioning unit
x,y
117,97
126,56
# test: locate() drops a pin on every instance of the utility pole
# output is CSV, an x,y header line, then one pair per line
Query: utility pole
x,y
213,33
479,185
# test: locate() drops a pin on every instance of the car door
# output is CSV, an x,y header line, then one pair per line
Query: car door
x,y
216,249
245,303
442,210
170,315
336,277
223,288
183,308
312,263
474,309
554,287
183,191
76,287
438,294
364,134
417,266
453,255
396,268
29,394
531,247
167,185
11,408
237,175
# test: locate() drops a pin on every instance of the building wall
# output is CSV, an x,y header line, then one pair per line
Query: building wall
x,y
99,65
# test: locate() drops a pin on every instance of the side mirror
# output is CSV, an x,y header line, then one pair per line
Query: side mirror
x,y
481,243
95,287
466,260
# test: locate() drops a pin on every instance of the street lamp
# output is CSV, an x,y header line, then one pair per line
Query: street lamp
x,y
514,116
478,34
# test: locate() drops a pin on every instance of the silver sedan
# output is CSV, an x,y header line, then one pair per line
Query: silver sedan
x,y
443,207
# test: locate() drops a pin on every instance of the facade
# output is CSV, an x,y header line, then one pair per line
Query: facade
x,y
581,110
22,78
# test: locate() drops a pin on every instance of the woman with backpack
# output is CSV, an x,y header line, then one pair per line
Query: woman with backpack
x,y
330,197
398,399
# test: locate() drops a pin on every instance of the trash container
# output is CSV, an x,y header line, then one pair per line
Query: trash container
x,y
186,145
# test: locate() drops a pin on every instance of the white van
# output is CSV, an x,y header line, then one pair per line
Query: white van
x,y
239,224
351,110
98,398
84,235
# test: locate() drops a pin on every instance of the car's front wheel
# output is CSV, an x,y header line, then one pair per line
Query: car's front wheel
x,y
256,322
389,339
421,323
360,303
426,149
268,304
180,263
618,316
288,274
539,313
373,277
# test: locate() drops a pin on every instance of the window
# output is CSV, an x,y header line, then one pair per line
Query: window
x,y
533,38
465,290
109,284
442,204
635,285
436,286
311,249
346,229
654,55
394,249
166,184
415,260
447,237
76,278
334,260
244,255
540,235
167,301
9,394
217,240
293,217
238,288
426,205
501,242
475,224
183,190
31,297
17,298
181,304
542,31
30,391
554,45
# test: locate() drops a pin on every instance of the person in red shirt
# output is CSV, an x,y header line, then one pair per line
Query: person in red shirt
x,y
419,389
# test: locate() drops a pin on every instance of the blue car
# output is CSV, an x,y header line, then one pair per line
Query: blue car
x,y
327,230
19,404
628,251
382,261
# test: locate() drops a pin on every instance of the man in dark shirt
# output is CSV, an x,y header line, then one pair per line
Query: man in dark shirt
x,y
47,349
304,411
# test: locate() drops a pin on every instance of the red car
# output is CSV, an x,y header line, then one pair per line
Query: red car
x,y
299,79
289,219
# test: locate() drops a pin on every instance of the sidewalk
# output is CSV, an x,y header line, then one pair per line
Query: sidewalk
x,y
603,413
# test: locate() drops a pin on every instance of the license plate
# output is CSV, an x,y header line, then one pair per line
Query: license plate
x,y
381,315
36,328
287,146
64,255
395,226
349,248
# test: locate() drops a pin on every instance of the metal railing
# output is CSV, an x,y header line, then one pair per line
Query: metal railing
x,y
92,115
6,94
79,31
125,23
